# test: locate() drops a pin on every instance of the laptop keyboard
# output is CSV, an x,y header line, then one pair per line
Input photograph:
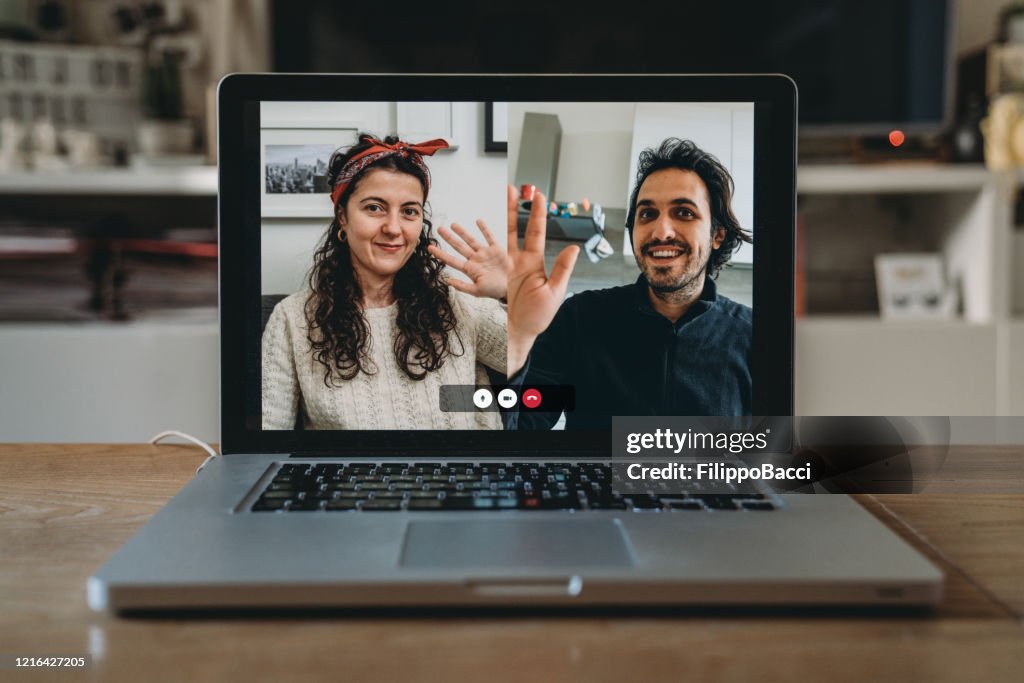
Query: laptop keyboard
x,y
347,487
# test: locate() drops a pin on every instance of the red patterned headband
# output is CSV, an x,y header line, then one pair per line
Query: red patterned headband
x,y
379,150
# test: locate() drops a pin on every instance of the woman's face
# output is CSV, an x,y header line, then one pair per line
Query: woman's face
x,y
382,222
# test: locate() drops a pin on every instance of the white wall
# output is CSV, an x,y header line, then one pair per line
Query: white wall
x,y
593,160
466,184
597,157
976,23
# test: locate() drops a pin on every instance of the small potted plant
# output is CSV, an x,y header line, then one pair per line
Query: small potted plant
x,y
165,130
164,31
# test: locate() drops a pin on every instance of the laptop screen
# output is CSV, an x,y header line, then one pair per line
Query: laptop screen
x,y
506,269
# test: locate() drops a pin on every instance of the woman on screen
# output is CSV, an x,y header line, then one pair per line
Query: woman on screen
x,y
380,330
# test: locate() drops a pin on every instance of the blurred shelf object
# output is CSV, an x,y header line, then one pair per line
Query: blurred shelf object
x,y
23,247
1005,71
61,280
73,87
137,180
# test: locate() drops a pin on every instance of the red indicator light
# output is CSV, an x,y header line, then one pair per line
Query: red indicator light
x,y
896,138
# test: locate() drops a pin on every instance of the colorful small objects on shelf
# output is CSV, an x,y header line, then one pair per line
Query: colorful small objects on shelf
x,y
565,209
582,209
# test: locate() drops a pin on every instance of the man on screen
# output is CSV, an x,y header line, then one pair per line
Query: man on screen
x,y
668,344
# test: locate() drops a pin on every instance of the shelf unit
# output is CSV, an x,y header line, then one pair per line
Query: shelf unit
x,y
156,372
846,364
890,179
857,363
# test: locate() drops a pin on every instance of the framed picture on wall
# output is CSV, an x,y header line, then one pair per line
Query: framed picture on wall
x,y
496,127
293,167
421,121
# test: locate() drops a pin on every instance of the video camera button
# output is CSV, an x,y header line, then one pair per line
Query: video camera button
x,y
507,398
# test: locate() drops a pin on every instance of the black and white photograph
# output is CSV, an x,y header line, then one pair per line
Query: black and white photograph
x,y
294,167
297,169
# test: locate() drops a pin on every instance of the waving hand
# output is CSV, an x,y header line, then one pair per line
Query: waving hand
x,y
486,265
533,296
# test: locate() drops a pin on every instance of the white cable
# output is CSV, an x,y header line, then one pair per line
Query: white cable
x,y
188,437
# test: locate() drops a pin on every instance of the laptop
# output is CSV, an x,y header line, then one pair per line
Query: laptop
x,y
378,450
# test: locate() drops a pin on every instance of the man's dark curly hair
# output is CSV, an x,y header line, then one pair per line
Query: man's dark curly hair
x,y
685,155
338,331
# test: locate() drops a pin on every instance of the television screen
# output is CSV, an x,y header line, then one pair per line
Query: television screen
x,y
862,67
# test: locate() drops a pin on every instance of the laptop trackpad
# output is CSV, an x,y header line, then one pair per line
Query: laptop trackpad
x,y
450,544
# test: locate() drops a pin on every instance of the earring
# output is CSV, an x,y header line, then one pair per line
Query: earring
x,y
342,236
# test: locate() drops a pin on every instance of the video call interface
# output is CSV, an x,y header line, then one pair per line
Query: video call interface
x,y
504,266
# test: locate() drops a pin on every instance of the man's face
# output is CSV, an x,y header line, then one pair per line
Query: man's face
x,y
672,238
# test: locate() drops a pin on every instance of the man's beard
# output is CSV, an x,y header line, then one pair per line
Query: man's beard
x,y
667,281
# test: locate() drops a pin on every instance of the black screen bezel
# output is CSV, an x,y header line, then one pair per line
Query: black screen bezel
x,y
239,95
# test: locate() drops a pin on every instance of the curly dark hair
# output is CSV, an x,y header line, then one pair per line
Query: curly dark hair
x,y
338,331
685,155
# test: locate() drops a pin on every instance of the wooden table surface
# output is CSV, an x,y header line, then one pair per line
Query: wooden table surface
x,y
64,509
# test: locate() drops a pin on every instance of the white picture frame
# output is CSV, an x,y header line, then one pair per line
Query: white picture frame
x,y
913,287
422,121
309,142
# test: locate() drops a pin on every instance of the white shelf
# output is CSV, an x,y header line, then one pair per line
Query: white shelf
x,y
867,323
136,180
202,180
892,178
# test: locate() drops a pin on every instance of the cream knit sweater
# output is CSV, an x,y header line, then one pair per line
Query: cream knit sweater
x,y
293,380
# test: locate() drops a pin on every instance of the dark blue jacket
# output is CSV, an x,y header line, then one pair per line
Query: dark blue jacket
x,y
625,358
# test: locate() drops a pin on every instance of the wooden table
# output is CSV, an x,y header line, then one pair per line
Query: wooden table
x,y
65,508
